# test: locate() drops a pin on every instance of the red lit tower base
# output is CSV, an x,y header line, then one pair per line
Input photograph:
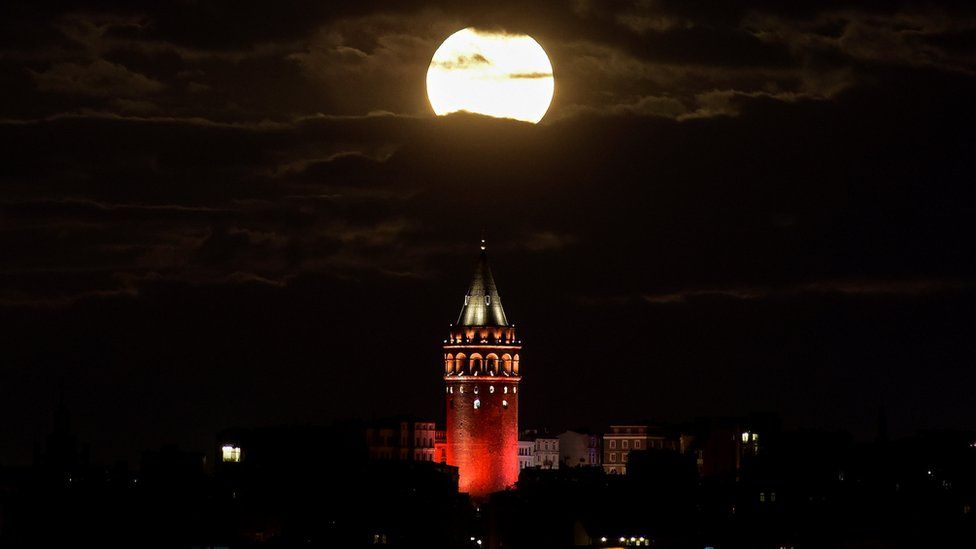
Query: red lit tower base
x,y
481,374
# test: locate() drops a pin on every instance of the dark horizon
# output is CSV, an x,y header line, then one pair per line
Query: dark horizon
x,y
217,215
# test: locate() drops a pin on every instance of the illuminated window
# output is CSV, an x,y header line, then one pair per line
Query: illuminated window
x,y
475,389
624,444
505,390
637,444
491,388
613,457
745,437
504,404
477,404
230,453
514,390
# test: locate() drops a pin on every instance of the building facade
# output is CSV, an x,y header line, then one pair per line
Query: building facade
x,y
525,457
541,449
401,440
579,449
545,452
481,378
621,439
440,446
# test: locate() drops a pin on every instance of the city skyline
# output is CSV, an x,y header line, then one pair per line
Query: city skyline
x,y
237,215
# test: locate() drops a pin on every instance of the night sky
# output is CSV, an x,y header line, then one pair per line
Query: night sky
x,y
234,213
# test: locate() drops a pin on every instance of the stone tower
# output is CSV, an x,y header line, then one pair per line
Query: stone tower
x,y
481,378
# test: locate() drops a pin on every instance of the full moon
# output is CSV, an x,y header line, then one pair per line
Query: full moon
x,y
491,73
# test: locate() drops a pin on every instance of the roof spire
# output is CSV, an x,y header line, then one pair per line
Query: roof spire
x,y
482,304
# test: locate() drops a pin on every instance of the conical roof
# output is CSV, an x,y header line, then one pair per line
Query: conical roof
x,y
482,305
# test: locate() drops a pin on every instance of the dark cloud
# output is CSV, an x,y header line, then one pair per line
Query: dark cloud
x,y
463,62
908,288
530,75
100,79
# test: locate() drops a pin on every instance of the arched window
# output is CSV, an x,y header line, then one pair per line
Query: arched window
x,y
491,363
477,404
477,363
515,364
507,363
449,364
460,361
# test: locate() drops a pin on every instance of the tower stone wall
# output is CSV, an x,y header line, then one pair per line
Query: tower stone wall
x,y
481,378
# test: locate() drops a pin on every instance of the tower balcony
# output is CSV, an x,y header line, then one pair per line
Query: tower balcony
x,y
487,335
500,361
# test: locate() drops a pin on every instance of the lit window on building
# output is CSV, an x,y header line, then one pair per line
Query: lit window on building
x,y
504,404
230,453
637,444
491,388
505,390
745,437
613,457
477,404
624,444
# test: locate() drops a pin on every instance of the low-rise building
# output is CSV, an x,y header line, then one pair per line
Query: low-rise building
x,y
440,446
621,439
543,448
525,454
401,440
545,452
579,449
